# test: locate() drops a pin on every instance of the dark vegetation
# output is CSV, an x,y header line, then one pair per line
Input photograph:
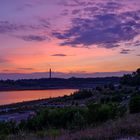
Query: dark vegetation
x,y
131,79
108,113
73,118
47,83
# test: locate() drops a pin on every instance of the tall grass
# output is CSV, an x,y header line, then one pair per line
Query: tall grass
x,y
127,127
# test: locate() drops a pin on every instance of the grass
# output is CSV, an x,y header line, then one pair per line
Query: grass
x,y
126,127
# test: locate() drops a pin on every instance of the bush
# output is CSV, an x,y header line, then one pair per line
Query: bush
x,y
100,112
78,121
8,128
82,94
104,112
65,118
53,132
93,110
56,118
48,133
134,105
131,79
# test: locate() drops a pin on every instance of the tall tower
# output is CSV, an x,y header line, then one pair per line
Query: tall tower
x,y
50,75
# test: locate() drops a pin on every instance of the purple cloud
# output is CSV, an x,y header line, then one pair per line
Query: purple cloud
x,y
25,68
125,51
104,23
85,22
59,55
106,30
38,38
6,26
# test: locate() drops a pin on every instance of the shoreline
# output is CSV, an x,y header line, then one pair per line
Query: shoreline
x,y
26,102
12,90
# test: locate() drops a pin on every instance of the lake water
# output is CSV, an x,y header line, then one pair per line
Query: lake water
x,y
8,97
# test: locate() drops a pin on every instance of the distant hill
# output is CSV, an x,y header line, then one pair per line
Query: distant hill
x,y
16,76
56,83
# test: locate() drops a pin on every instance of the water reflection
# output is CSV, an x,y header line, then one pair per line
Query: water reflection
x,y
8,97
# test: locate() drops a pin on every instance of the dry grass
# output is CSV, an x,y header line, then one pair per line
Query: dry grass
x,y
127,127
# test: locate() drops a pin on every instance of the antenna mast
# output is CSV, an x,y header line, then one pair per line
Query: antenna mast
x,y
50,74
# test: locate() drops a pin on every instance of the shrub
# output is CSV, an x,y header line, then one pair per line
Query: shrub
x,y
93,110
134,105
53,132
78,120
65,118
131,79
82,94
104,112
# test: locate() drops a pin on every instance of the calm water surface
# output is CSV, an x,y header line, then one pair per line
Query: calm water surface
x,y
8,97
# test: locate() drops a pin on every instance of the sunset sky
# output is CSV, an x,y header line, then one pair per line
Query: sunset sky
x,y
69,35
